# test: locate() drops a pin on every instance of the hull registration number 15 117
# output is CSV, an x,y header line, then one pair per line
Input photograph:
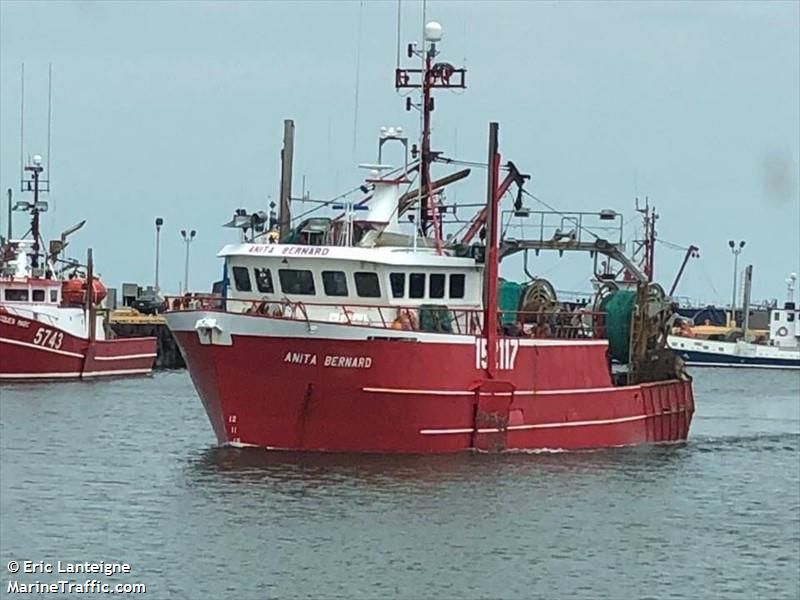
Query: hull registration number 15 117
x,y
507,349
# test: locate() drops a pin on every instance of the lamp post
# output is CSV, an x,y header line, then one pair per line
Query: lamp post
x,y
188,240
736,249
159,223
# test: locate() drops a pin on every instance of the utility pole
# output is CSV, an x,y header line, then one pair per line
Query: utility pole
x,y
736,249
187,240
159,223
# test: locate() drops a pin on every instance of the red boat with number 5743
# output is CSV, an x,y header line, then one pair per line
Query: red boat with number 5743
x,y
49,326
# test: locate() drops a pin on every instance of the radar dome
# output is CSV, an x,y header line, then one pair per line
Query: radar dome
x,y
433,31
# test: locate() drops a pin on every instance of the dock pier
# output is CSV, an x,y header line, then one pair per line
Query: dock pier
x,y
125,323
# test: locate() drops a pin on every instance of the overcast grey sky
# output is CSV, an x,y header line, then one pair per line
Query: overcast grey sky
x,y
175,110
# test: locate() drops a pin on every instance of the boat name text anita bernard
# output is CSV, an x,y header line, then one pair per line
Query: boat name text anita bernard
x,y
347,362
289,250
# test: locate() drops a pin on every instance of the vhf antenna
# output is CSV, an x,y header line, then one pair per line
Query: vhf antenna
x,y
26,183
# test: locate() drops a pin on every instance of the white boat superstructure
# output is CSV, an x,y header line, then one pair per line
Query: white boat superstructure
x,y
348,284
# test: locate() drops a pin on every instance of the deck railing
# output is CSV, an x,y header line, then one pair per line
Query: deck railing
x,y
430,318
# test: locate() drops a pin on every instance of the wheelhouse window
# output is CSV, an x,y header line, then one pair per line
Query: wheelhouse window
x,y
436,286
241,277
416,285
297,281
53,295
775,317
398,282
38,295
264,280
367,285
457,285
335,283
790,317
17,295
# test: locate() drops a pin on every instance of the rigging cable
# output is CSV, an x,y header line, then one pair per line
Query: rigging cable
x,y
708,277
564,215
672,245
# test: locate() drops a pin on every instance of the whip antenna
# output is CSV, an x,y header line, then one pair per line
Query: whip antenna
x,y
397,66
21,120
49,113
358,77
49,127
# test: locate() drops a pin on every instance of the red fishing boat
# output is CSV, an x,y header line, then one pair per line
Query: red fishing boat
x,y
49,323
355,335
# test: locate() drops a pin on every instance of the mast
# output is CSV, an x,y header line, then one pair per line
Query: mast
x,y
491,269
10,215
748,284
432,75
287,156
647,245
90,308
429,213
35,184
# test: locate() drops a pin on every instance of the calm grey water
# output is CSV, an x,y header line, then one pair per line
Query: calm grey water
x,y
127,471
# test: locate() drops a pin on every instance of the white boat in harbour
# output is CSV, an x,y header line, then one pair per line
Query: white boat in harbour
x,y
781,350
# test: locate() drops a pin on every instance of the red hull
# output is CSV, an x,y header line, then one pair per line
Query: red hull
x,y
31,350
303,392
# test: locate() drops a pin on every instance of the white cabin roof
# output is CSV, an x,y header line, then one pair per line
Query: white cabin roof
x,y
421,257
